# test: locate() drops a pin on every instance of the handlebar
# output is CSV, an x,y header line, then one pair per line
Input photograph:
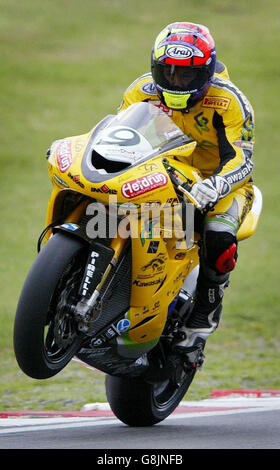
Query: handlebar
x,y
183,186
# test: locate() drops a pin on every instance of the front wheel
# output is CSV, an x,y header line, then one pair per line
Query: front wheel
x,y
139,403
45,333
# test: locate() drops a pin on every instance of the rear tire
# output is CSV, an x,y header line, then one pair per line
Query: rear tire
x,y
139,403
45,340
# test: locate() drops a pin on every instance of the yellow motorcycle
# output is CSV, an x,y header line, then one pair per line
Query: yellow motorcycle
x,y
118,247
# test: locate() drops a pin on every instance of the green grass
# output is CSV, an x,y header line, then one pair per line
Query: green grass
x,y
64,65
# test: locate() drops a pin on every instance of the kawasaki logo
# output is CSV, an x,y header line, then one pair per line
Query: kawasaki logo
x,y
144,184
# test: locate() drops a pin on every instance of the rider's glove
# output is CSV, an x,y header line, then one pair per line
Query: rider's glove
x,y
208,191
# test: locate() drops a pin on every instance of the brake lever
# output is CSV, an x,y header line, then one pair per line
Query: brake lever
x,y
185,189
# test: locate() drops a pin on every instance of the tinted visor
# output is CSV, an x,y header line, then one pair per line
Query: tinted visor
x,y
180,78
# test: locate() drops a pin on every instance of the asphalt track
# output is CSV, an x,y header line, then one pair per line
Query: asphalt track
x,y
217,423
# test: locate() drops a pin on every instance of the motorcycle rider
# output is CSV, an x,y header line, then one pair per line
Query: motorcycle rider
x,y
193,88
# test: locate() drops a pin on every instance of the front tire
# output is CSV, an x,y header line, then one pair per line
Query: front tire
x,y
45,335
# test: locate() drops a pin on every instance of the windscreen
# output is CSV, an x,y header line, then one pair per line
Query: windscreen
x,y
135,132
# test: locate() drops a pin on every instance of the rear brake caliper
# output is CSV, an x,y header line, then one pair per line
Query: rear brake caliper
x,y
193,359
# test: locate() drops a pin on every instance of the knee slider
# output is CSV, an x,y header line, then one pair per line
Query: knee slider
x,y
221,250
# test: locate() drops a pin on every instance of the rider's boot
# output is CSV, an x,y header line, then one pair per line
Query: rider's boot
x,y
203,318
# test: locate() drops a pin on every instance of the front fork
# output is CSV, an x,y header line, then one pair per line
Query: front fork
x,y
99,265
101,260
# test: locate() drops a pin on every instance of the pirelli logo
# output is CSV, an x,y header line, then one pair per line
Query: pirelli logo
x,y
216,102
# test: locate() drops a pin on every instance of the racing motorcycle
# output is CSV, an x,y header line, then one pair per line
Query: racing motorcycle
x,y
118,248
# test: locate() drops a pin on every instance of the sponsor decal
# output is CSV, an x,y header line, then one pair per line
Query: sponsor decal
x,y
224,188
211,295
95,352
157,264
109,334
183,52
154,267
147,167
153,247
221,218
69,226
150,204
201,123
179,277
145,310
90,271
240,174
104,189
147,232
123,325
76,179
112,331
64,155
146,284
144,184
248,130
97,342
180,255
126,206
149,89
156,306
244,145
162,107
60,182
173,134
218,102
123,136
80,144
172,201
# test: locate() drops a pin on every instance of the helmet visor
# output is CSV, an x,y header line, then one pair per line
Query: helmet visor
x,y
179,77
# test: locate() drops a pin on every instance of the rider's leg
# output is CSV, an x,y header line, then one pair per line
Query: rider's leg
x,y
218,255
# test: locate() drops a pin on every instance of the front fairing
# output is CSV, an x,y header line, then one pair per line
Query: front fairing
x,y
98,163
159,264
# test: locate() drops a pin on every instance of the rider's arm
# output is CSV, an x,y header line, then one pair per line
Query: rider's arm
x,y
141,89
126,101
235,129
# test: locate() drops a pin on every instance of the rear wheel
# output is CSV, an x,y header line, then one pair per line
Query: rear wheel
x,y
139,403
45,333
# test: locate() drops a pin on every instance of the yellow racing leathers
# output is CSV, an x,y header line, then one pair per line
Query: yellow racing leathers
x,y
222,124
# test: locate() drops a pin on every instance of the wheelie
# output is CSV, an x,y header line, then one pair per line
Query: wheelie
x,y
142,230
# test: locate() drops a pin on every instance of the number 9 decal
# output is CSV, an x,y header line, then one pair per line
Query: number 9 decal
x,y
122,136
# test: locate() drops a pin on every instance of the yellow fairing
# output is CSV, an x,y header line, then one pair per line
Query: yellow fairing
x,y
160,259
157,273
